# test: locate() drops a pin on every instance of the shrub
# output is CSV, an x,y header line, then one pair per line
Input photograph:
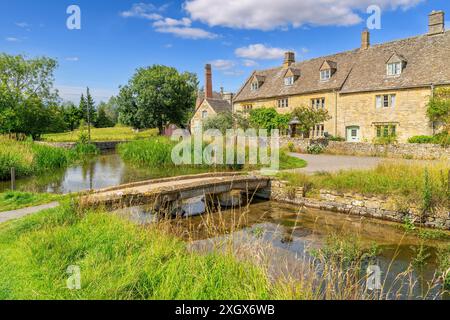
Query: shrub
x,y
315,149
337,139
421,139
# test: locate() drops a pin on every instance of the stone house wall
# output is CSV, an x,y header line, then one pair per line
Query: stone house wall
x,y
197,119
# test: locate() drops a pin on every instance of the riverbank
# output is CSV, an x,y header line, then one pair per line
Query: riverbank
x,y
29,158
13,200
152,262
411,193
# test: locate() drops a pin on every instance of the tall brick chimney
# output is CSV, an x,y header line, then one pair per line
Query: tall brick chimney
x,y
289,59
365,39
436,23
208,82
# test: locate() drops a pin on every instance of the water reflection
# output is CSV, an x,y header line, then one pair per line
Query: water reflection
x,y
286,235
100,172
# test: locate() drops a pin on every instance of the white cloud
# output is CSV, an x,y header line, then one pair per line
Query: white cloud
x,y
22,25
249,63
260,52
220,64
142,10
12,39
169,22
270,14
72,59
233,73
187,32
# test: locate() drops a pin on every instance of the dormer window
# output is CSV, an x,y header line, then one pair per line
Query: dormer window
x,y
395,65
291,75
255,86
327,70
394,69
289,81
325,75
257,82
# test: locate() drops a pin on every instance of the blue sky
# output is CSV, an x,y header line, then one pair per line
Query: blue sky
x,y
116,37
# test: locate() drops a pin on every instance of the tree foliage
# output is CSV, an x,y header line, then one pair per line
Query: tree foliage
x,y
28,102
157,95
439,108
268,118
308,118
222,122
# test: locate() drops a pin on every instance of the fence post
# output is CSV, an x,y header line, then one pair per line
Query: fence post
x,y
13,178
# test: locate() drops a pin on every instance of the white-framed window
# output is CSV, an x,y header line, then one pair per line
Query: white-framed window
x,y
283,103
318,103
325,75
255,86
385,101
394,69
289,81
204,114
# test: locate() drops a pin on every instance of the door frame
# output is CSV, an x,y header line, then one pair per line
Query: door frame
x,y
349,136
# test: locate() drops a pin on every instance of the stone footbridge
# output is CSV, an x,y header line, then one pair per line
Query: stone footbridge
x,y
163,191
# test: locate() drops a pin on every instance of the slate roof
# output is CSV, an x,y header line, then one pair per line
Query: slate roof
x,y
427,62
219,105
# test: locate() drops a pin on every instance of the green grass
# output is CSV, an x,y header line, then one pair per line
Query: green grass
x,y
104,134
13,200
118,260
157,152
29,158
386,179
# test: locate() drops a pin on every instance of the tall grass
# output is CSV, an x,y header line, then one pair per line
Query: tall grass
x,y
13,200
29,158
117,259
157,152
390,179
117,133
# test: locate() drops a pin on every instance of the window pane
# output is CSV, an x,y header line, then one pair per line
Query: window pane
x,y
386,101
378,101
393,100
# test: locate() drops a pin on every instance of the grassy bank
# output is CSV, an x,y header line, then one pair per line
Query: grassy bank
x,y
157,152
411,181
29,158
118,260
103,134
13,200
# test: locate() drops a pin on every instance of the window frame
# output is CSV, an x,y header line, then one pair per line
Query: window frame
x,y
386,130
283,103
289,81
255,86
318,103
394,69
205,112
385,101
325,75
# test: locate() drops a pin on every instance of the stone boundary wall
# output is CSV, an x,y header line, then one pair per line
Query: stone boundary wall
x,y
378,207
101,145
401,150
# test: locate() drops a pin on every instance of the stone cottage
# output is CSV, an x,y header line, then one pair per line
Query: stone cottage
x,y
210,103
373,91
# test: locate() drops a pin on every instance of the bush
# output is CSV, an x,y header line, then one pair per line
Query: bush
x,y
337,139
442,139
315,149
421,139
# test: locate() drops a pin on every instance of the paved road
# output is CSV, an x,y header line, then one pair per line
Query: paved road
x,y
20,213
332,163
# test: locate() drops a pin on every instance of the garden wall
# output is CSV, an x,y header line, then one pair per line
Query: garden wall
x,y
401,150
378,207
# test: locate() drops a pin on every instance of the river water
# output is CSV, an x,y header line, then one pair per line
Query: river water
x,y
291,232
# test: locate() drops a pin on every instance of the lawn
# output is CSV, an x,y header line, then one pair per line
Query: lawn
x,y
12,200
104,134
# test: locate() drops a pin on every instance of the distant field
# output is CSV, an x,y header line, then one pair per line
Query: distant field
x,y
105,134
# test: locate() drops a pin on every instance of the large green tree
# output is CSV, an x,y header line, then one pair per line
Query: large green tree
x,y
27,97
309,118
269,119
156,96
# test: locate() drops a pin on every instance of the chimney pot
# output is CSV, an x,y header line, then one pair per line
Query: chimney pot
x,y
365,40
436,23
208,82
289,59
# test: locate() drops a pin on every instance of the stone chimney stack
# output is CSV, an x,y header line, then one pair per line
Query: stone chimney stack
x,y
289,59
208,82
365,40
436,23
